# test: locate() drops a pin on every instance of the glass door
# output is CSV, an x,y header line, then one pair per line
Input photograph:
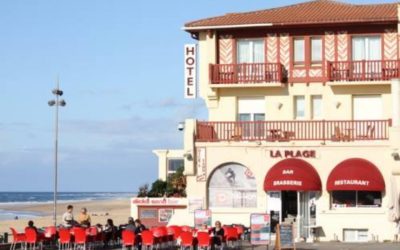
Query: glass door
x,y
274,205
303,215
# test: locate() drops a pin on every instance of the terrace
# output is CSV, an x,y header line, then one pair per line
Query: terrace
x,y
284,131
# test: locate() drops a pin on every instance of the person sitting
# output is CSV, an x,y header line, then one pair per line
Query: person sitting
x,y
110,232
139,227
84,218
40,233
218,234
68,218
131,225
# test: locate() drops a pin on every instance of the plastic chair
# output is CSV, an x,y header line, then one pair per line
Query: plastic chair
x,y
186,229
174,232
18,238
50,234
231,236
204,240
186,240
148,239
93,234
81,238
32,238
128,239
64,241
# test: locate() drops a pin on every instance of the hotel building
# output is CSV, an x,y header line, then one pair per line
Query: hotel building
x,y
304,119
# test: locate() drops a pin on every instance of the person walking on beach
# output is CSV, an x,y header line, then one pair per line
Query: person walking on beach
x,y
68,217
84,218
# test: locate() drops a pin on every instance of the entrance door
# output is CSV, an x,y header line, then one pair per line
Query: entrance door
x,y
289,206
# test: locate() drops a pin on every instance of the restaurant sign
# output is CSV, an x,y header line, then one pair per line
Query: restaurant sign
x,y
351,182
159,201
190,71
292,153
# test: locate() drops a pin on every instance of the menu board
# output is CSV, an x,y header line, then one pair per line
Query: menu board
x,y
260,225
202,217
284,237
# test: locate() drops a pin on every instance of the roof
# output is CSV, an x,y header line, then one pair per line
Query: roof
x,y
313,12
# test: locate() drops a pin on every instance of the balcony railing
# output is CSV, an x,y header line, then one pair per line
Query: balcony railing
x,y
350,130
363,70
246,73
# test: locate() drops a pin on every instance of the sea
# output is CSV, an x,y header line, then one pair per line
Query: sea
x,y
9,199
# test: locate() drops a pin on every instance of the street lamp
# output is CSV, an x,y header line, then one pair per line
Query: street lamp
x,y
56,102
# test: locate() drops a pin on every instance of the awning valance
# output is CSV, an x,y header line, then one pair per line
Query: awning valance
x,y
355,174
292,174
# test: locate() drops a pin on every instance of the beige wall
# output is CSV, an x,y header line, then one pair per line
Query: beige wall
x,y
225,109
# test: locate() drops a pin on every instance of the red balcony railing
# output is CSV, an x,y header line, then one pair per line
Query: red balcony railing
x,y
246,73
363,70
352,130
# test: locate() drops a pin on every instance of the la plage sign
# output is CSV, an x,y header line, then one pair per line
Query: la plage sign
x,y
292,153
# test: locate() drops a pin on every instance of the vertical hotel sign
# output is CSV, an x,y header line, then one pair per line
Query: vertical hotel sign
x,y
190,71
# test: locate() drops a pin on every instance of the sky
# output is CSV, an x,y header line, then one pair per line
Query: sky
x,y
120,65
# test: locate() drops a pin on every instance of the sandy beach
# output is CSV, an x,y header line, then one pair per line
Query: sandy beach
x,y
100,211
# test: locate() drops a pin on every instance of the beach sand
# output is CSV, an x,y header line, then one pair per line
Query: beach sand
x,y
117,210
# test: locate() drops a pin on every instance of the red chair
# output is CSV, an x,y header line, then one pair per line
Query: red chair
x,y
203,240
32,238
128,239
231,236
161,236
50,234
186,240
174,232
148,239
186,229
64,241
94,236
81,238
18,238
240,230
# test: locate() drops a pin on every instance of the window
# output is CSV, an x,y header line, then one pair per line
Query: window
x,y
174,165
251,109
316,107
366,48
148,213
316,50
250,51
299,51
299,107
356,199
234,186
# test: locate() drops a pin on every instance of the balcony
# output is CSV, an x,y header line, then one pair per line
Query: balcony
x,y
284,131
381,70
246,73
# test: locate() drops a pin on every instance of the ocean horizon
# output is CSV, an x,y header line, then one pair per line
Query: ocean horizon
x,y
8,199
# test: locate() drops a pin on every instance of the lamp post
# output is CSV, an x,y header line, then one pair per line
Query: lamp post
x,y
56,102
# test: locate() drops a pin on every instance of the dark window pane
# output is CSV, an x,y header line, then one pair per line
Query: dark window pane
x,y
369,198
148,213
343,198
175,164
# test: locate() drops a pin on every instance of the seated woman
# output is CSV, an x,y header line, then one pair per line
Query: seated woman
x,y
218,234
84,218
40,233
110,232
